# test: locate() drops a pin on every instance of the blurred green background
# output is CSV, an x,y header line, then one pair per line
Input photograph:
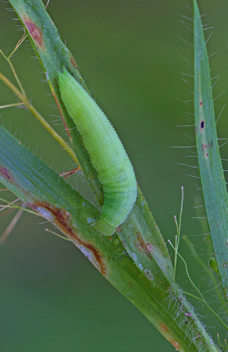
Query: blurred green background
x,y
131,56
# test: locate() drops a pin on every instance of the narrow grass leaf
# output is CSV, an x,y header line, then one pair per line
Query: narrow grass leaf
x,y
210,165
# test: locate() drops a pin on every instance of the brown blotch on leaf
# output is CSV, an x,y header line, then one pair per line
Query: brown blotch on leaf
x,y
5,173
175,344
34,31
62,220
73,62
164,328
201,103
143,245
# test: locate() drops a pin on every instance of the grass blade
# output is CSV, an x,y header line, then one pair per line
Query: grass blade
x,y
48,194
210,165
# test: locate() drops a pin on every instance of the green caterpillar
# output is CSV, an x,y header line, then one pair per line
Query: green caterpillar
x,y
106,151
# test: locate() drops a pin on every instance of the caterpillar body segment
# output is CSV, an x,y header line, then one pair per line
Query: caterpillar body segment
x,y
106,151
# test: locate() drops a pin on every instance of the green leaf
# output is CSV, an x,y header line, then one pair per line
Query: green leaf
x,y
210,165
136,261
48,194
53,56
145,243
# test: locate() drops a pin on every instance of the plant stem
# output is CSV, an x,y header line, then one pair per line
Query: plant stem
x,y
39,117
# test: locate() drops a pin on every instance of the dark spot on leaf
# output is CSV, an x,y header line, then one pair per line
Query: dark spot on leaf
x,y
202,124
201,103
204,147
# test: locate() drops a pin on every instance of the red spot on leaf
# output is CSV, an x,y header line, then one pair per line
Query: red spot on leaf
x,y
204,148
5,173
34,31
201,103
